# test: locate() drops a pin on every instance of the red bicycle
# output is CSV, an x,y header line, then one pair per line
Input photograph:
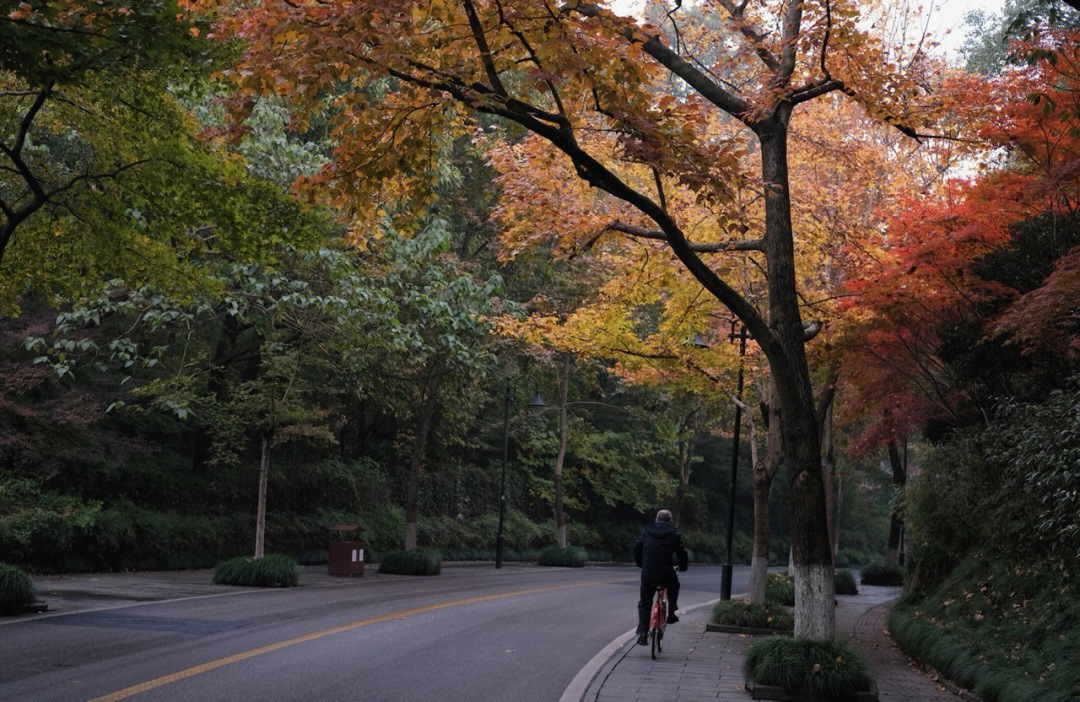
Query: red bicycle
x,y
658,622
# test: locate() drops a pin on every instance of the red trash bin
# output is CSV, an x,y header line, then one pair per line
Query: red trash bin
x,y
346,551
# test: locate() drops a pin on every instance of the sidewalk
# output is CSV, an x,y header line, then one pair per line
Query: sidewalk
x,y
696,666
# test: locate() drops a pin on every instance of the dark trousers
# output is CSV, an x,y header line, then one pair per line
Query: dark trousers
x,y
644,606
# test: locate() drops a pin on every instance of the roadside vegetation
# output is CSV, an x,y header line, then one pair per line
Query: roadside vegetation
x,y
881,574
844,582
569,557
780,589
752,616
1005,630
826,669
271,570
16,589
421,561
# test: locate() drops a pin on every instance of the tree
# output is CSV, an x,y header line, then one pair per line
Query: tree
x,y
560,72
422,324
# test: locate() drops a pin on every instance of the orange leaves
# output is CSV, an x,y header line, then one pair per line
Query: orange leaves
x,y
932,274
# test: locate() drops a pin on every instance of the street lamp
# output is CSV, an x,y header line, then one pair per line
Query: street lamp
x,y
726,568
537,403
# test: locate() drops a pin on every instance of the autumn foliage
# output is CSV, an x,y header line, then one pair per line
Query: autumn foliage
x,y
964,256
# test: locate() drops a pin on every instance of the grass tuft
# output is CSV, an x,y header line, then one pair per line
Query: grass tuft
x,y
881,574
272,570
16,589
830,669
845,583
780,589
419,561
753,616
569,557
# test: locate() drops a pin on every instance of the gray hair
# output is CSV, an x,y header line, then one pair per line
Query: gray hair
x,y
663,516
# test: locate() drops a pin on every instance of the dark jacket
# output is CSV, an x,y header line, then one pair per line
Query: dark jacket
x,y
654,551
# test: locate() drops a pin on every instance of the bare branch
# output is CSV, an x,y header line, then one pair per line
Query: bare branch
x,y
698,80
485,50
815,89
735,245
790,32
756,38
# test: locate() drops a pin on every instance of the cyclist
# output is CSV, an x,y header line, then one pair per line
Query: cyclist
x,y
654,551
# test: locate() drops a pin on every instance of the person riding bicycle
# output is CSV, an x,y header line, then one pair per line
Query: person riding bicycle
x,y
654,551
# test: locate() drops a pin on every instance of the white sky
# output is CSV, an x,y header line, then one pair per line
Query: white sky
x,y
950,14
944,15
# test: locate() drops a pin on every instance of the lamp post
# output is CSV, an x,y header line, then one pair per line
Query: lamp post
x,y
726,568
536,403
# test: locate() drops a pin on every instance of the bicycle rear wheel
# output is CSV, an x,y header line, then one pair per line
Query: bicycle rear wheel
x,y
654,644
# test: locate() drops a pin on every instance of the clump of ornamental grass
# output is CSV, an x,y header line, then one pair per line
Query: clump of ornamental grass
x,y
881,574
568,557
780,589
844,582
752,616
419,561
829,669
16,589
1005,629
272,570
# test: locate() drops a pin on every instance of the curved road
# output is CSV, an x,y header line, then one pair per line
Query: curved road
x,y
473,633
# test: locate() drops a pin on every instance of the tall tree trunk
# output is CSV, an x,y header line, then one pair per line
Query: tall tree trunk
x,y
687,438
416,462
899,473
560,512
764,474
677,505
828,473
839,503
260,513
801,450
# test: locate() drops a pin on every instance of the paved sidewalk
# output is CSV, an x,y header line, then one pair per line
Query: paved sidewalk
x,y
899,679
697,666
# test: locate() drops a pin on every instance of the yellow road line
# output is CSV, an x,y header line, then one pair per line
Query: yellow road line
x,y
206,667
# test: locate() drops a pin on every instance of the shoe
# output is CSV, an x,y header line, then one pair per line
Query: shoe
x,y
643,640
672,619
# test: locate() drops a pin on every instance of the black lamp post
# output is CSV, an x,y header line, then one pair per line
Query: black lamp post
x,y
726,568
536,404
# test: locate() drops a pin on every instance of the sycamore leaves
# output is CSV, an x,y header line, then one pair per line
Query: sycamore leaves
x,y
402,79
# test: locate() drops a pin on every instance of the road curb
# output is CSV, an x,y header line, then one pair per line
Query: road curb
x,y
601,665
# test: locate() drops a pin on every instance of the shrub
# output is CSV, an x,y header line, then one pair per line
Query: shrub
x,y
780,589
272,570
853,558
830,669
313,556
569,557
880,574
420,561
844,582
16,589
753,616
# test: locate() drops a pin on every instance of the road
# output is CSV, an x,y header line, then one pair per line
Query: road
x,y
519,634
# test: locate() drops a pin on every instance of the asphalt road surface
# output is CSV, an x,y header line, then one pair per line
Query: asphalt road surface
x,y
473,633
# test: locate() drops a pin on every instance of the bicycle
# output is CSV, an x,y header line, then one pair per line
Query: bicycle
x,y
658,622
